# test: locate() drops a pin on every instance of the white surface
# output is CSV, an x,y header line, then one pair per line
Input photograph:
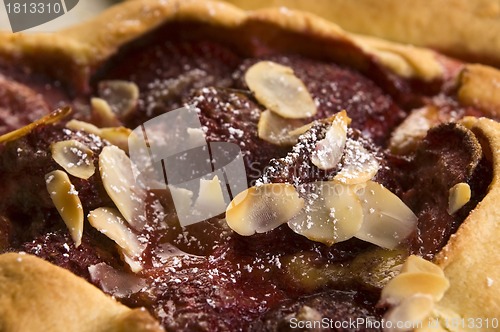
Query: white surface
x,y
82,11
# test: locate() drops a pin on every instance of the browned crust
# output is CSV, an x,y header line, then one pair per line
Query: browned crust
x,y
35,295
463,28
86,45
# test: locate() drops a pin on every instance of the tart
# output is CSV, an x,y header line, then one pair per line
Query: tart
x,y
371,168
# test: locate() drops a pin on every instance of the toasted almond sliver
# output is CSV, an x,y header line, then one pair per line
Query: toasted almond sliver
x,y
75,157
406,285
114,282
278,89
121,96
262,208
102,115
329,150
411,312
387,220
210,197
68,204
332,213
50,118
359,165
133,263
77,125
111,223
418,264
459,196
118,180
468,121
117,136
406,137
275,129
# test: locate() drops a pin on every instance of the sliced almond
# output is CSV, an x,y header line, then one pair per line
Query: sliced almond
x,y
459,196
110,222
78,125
275,129
117,283
210,199
278,89
406,285
332,213
102,115
301,130
50,118
183,199
413,129
329,150
358,166
75,157
118,180
295,133
262,208
122,96
411,312
68,204
117,136
133,263
468,121
417,264
387,220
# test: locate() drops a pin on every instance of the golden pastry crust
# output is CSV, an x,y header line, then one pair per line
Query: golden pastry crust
x,y
470,260
88,44
84,47
462,28
35,294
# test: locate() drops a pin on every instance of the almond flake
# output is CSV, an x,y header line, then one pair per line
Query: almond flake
x,y
262,208
411,312
406,285
387,220
78,125
50,118
111,223
332,212
301,130
117,283
459,196
329,150
414,293
121,96
117,136
406,137
102,115
279,90
417,264
68,204
275,129
210,199
118,180
358,165
75,157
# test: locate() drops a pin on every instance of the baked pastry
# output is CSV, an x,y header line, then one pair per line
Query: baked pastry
x,y
469,32
414,152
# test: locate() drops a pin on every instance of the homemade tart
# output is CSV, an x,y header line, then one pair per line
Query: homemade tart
x,y
470,31
379,158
